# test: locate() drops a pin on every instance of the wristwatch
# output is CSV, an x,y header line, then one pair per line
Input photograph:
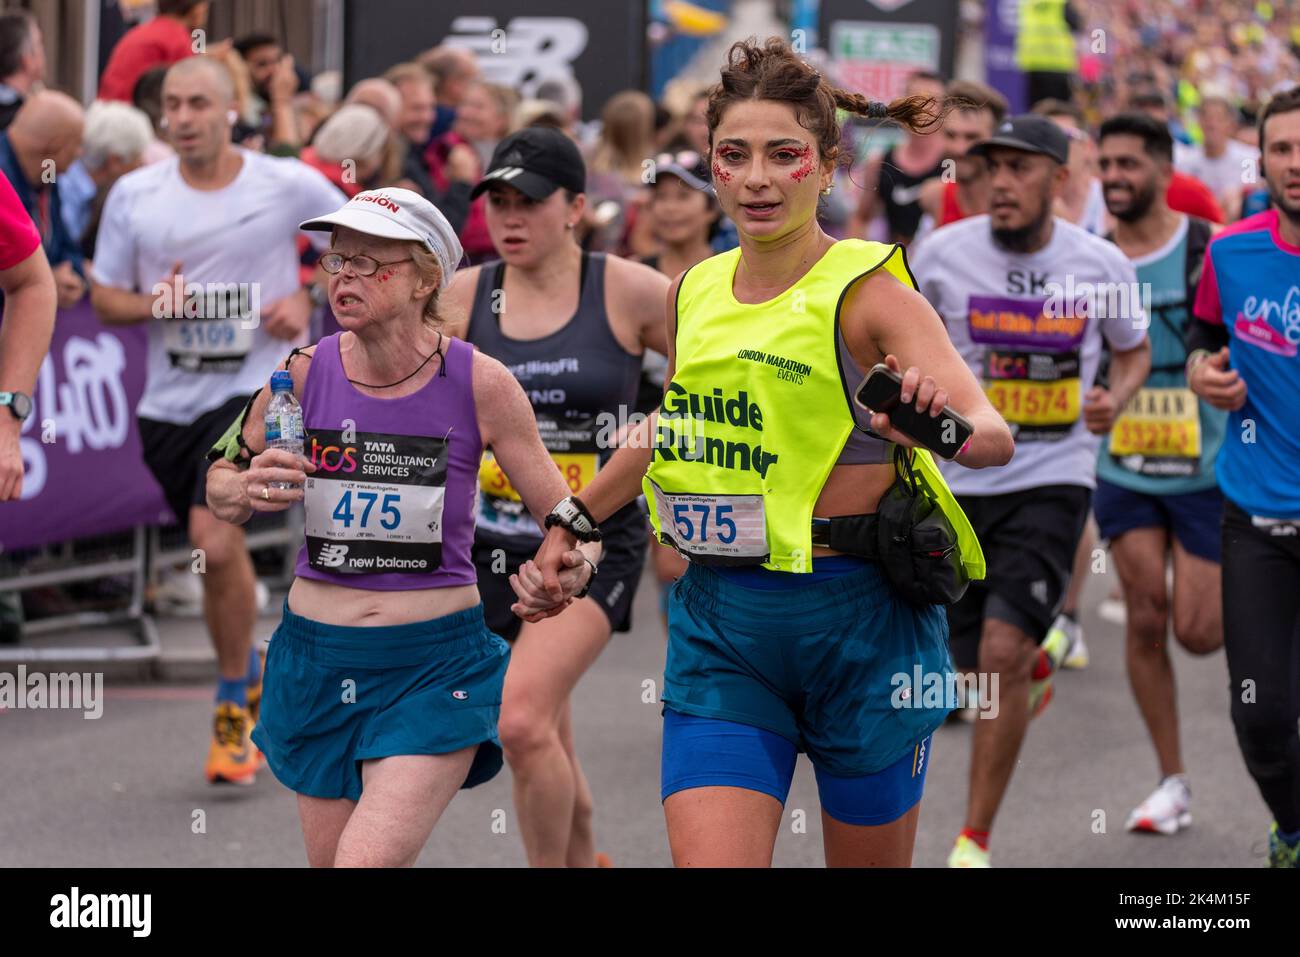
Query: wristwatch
x,y
20,404
573,515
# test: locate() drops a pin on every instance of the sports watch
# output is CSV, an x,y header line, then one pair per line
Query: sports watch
x,y
20,404
573,515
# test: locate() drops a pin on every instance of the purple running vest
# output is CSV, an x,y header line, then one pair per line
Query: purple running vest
x,y
392,509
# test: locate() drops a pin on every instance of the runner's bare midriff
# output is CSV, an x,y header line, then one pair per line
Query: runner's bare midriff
x,y
852,490
339,605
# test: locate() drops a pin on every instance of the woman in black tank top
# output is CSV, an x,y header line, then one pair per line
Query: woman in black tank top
x,y
572,327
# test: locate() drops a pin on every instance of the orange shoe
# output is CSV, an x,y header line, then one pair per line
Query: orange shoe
x,y
602,860
232,758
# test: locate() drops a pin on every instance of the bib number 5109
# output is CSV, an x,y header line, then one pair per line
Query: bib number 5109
x,y
686,517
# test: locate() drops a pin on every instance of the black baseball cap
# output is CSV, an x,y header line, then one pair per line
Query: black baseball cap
x,y
1031,133
537,161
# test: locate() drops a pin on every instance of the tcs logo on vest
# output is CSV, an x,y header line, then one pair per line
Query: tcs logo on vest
x,y
332,458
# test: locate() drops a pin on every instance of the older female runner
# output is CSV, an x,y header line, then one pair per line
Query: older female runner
x,y
383,684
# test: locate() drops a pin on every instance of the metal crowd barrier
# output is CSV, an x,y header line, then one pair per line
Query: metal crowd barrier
x,y
140,555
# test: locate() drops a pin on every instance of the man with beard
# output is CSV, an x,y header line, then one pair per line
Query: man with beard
x,y
1156,490
1027,298
1244,340
275,81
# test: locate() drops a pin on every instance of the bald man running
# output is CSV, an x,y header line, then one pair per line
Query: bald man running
x,y
202,248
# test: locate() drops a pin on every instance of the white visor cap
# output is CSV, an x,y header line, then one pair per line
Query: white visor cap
x,y
394,213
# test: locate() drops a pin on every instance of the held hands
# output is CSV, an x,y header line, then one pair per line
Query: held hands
x,y
927,393
546,585
1099,410
1218,385
275,465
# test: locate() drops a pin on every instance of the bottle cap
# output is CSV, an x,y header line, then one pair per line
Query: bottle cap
x,y
281,381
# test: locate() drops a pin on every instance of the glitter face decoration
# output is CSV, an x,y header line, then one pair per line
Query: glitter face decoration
x,y
807,167
386,275
721,175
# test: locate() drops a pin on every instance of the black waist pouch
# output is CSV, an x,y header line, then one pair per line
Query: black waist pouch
x,y
909,536
916,543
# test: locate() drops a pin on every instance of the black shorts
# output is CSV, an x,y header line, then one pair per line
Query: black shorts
x,y
177,455
624,541
1029,538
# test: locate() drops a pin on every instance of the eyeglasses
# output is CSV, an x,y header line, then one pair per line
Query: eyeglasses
x,y
333,263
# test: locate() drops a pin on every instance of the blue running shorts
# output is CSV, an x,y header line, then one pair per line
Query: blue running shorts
x,y
819,666
1194,518
705,752
334,696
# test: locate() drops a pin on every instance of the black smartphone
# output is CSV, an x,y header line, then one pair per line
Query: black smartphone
x,y
943,434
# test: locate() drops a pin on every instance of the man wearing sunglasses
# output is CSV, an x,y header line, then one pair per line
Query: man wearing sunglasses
x,y
202,249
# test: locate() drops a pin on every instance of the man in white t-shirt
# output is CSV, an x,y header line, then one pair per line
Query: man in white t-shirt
x,y
1027,298
1223,163
203,248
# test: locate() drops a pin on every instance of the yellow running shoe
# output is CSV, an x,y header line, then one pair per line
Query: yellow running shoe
x,y
232,759
1076,657
966,853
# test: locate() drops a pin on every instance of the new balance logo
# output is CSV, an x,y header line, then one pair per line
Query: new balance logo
x,y
331,556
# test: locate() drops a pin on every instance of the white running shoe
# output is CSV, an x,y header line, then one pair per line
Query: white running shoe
x,y
180,594
1112,608
1167,810
1077,657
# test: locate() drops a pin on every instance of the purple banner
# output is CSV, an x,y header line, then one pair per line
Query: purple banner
x,y
1000,24
84,474
1022,324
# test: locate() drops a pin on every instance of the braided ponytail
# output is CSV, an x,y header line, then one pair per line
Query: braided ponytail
x,y
920,114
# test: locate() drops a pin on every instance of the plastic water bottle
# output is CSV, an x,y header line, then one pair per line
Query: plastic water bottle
x,y
284,419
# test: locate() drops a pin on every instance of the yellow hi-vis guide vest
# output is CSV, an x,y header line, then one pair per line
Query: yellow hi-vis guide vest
x,y
758,412
1044,42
